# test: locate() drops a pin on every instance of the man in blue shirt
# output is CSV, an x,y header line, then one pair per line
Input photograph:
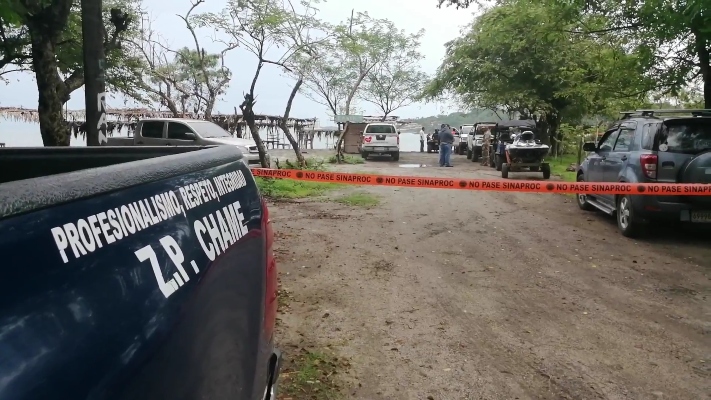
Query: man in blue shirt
x,y
446,141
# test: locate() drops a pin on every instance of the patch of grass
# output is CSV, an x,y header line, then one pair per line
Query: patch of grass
x,y
347,159
309,375
312,164
275,188
558,166
359,199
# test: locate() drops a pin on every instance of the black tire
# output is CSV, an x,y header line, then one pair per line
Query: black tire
x,y
429,148
498,162
546,168
364,154
469,154
475,157
583,198
627,223
504,171
396,156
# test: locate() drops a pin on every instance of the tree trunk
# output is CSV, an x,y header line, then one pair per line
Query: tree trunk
x,y
702,50
247,111
50,87
209,105
285,127
351,95
247,108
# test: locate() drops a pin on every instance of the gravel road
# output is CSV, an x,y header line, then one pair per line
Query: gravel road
x,y
480,295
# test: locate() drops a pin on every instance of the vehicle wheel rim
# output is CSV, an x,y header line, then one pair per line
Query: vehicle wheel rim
x,y
582,198
624,213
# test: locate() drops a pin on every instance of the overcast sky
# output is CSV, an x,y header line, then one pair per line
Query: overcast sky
x,y
441,25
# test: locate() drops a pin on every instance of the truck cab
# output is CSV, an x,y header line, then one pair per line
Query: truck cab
x,y
475,139
135,273
185,132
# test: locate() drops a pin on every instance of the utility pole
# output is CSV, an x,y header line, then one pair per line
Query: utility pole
x,y
92,28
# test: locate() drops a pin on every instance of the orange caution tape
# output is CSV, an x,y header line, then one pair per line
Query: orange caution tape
x,y
492,185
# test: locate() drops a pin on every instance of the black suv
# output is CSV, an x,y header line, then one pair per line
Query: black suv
x,y
651,146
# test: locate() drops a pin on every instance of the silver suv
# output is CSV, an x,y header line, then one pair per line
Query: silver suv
x,y
651,146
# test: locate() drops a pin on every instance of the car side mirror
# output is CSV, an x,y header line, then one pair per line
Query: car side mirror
x,y
589,146
189,136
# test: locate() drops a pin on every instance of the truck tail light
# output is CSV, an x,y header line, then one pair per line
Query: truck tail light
x,y
649,165
270,294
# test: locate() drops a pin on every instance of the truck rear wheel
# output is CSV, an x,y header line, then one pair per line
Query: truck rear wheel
x,y
546,168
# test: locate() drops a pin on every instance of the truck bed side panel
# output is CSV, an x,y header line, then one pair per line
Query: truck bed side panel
x,y
115,317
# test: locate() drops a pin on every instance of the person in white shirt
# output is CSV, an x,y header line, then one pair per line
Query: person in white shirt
x,y
423,137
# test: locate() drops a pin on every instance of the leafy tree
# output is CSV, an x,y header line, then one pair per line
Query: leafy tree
x,y
206,73
397,81
520,57
362,44
673,37
325,82
164,84
46,38
257,25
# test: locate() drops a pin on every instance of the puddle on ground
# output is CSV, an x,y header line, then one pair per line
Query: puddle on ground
x,y
412,165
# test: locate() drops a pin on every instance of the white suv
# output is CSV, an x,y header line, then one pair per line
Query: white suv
x,y
381,138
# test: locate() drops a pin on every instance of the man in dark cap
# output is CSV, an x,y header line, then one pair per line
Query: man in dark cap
x,y
446,141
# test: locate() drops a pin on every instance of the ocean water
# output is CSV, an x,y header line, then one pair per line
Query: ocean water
x,y
23,134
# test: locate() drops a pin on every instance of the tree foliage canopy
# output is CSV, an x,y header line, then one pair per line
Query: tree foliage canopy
x,y
524,57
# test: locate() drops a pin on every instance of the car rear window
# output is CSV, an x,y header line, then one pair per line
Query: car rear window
x,y
685,136
380,129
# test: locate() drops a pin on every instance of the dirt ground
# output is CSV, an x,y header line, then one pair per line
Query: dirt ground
x,y
447,294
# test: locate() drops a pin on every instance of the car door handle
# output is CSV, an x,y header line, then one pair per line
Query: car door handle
x,y
623,158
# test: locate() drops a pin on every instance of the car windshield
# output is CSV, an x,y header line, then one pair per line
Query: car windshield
x,y
380,129
686,136
208,129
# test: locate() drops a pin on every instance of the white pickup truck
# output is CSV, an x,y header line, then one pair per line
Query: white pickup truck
x,y
185,132
476,139
464,131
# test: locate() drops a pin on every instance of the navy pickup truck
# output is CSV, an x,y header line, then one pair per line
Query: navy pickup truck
x,y
135,273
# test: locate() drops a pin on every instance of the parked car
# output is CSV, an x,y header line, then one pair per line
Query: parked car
x,y
381,139
651,146
185,132
135,273
464,131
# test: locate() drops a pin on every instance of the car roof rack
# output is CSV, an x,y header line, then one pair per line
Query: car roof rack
x,y
653,112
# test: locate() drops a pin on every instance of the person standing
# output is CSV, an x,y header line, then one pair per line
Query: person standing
x,y
485,148
446,141
422,139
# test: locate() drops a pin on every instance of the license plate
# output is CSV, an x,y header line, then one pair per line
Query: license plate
x,y
380,149
701,216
